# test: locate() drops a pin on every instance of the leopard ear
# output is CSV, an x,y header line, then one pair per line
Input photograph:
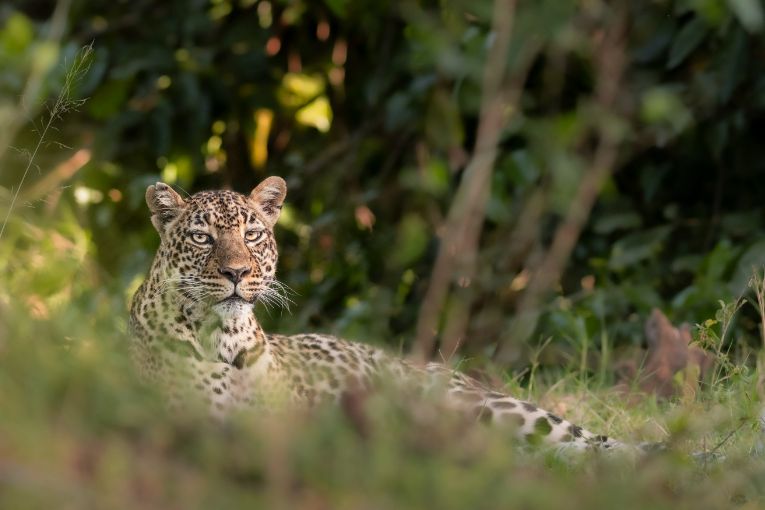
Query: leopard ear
x,y
268,198
164,203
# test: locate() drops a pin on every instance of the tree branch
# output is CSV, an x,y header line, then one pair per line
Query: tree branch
x,y
462,228
611,62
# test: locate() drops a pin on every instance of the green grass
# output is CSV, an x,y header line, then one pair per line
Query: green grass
x,y
78,430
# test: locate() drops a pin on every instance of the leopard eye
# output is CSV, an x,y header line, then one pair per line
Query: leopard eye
x,y
201,238
253,236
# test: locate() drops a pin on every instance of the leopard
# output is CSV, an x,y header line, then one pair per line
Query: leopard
x,y
194,331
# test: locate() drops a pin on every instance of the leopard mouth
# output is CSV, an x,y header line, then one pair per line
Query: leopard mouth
x,y
233,299
232,304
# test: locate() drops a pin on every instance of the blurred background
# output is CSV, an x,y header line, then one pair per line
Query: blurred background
x,y
586,161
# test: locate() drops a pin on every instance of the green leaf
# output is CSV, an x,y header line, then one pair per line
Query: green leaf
x,y
664,106
566,170
617,221
752,260
687,40
733,63
714,12
338,7
637,247
749,13
318,113
411,240
299,89
109,98
718,261
44,56
443,124
17,34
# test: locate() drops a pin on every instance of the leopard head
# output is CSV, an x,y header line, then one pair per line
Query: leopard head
x,y
217,247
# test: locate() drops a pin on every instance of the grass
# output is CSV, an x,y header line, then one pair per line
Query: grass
x,y
78,430
63,104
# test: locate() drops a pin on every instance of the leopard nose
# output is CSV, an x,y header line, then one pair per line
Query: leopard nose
x,y
235,274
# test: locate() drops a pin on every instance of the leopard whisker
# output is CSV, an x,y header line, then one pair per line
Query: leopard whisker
x,y
273,297
279,293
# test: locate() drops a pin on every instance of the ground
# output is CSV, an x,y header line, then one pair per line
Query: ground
x,y
79,428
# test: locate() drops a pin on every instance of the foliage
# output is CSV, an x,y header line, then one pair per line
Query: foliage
x,y
368,109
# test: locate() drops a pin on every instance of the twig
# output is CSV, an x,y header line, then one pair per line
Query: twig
x,y
61,173
465,219
757,284
610,70
725,439
332,152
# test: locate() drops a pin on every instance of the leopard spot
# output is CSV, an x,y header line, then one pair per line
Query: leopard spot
x,y
542,426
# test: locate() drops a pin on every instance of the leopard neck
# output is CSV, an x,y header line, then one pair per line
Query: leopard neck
x,y
159,313
233,332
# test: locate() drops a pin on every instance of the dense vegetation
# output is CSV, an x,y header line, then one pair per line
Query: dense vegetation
x,y
527,179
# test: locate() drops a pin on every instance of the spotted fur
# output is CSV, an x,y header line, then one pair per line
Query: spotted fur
x,y
195,330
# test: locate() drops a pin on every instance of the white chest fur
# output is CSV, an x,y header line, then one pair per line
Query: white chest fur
x,y
235,330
